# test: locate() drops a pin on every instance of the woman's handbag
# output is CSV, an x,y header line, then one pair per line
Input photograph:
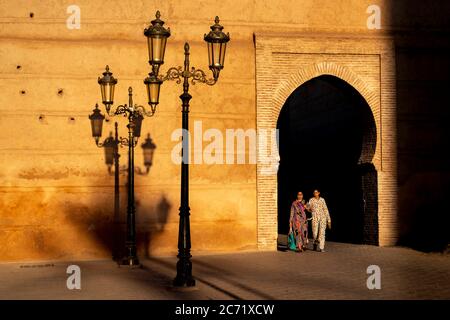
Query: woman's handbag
x,y
291,241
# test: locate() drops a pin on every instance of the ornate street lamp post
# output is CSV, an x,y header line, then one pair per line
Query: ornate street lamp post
x,y
112,157
216,40
135,114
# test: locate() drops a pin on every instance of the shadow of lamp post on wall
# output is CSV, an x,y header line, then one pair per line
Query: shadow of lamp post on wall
x,y
112,155
135,115
216,41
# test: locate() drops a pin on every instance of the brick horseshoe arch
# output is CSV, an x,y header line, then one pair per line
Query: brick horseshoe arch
x,y
368,65
285,89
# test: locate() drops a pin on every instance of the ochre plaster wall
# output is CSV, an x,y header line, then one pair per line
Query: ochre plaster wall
x,y
56,196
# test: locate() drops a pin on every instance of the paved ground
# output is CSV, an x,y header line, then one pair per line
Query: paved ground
x,y
340,273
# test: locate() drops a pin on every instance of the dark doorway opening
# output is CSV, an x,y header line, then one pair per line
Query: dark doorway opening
x,y
327,139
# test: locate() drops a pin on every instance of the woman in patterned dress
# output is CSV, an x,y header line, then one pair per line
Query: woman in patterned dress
x,y
298,224
320,220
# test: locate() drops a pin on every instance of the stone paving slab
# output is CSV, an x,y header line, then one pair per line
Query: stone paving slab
x,y
339,273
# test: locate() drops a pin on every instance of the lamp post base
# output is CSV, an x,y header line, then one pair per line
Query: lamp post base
x,y
184,274
183,282
132,262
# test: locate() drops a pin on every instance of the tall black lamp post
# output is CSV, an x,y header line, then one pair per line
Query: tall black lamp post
x,y
135,114
216,40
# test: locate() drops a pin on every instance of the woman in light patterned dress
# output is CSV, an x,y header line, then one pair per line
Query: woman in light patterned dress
x,y
320,219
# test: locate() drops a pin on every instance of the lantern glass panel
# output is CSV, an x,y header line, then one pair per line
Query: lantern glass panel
x,y
153,88
223,47
156,49
107,90
210,54
216,54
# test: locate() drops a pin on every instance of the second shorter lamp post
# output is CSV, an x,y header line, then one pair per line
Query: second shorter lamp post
x,y
216,41
112,158
135,115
